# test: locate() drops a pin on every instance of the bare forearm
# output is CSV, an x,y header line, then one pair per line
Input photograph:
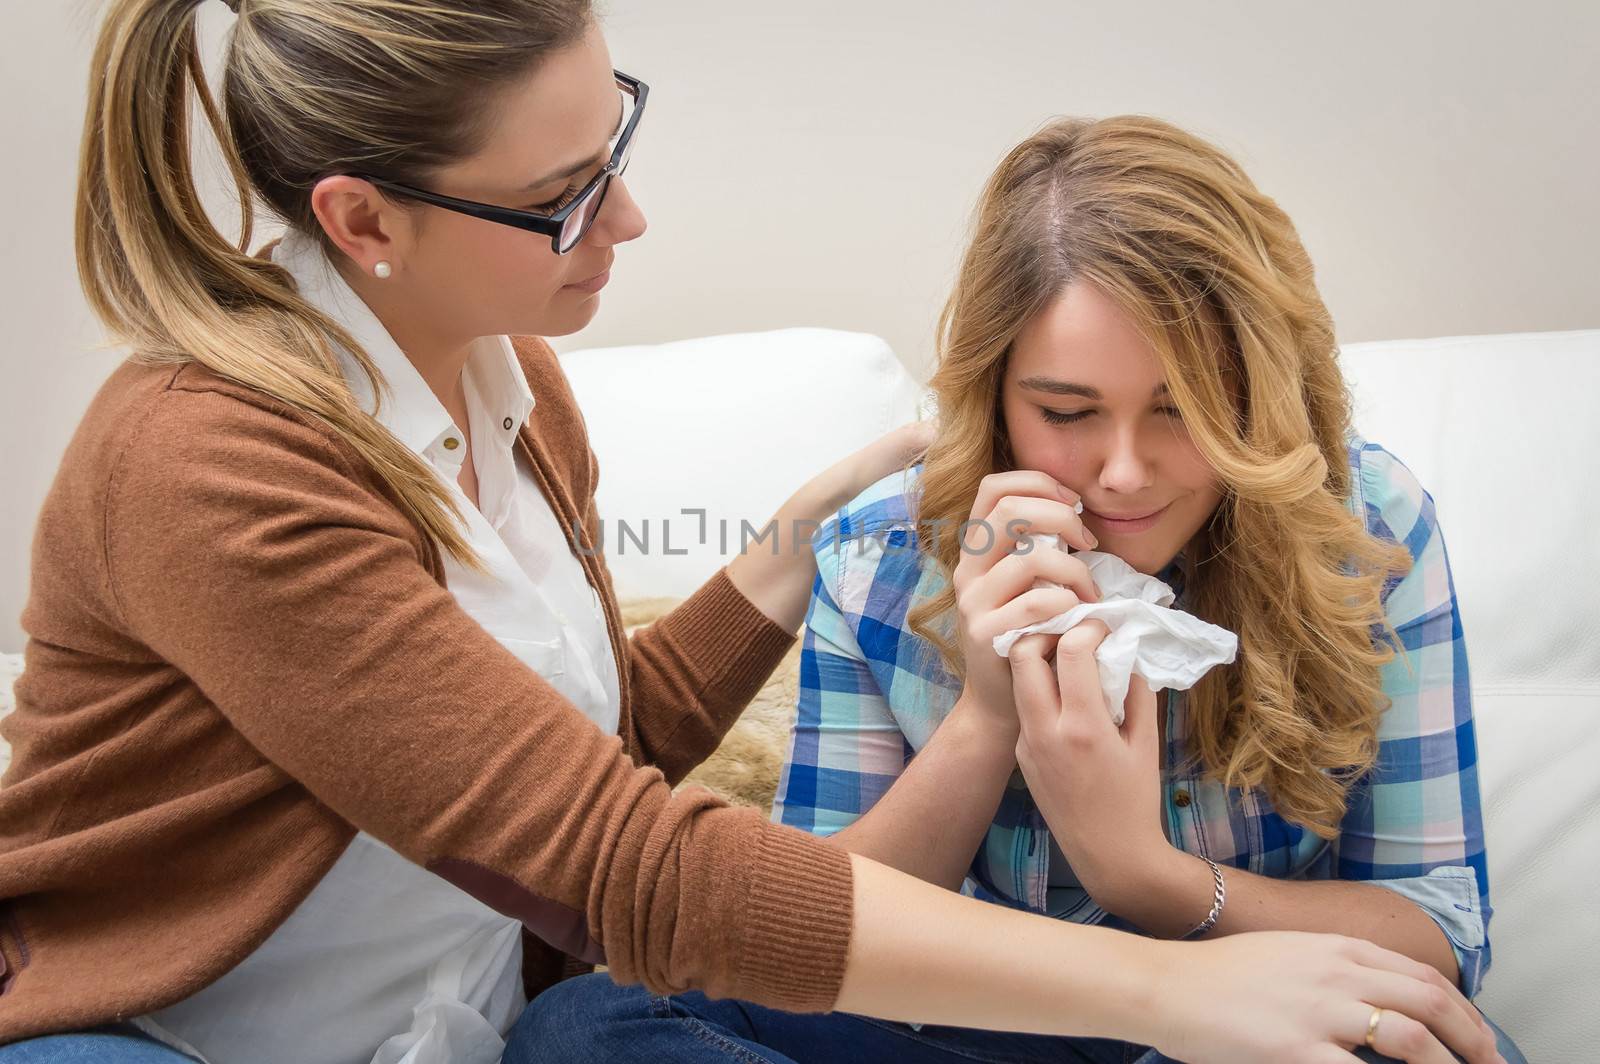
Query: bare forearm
x,y
776,570
1178,897
920,954
932,819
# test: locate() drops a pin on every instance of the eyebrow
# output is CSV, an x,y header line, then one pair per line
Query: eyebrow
x,y
1083,391
599,157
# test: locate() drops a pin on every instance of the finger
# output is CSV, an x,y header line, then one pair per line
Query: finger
x,y
996,533
1415,1001
993,591
1078,676
1016,516
1033,682
1030,607
1433,985
1398,1036
1016,573
996,486
985,536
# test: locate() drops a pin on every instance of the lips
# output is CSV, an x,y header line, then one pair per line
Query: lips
x,y
1125,517
593,281
1127,524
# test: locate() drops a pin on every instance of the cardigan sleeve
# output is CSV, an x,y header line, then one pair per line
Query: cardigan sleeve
x,y
249,550
695,671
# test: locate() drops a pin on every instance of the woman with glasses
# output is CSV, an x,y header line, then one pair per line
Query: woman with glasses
x,y
330,745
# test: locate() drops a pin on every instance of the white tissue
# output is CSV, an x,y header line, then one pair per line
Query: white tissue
x,y
1168,647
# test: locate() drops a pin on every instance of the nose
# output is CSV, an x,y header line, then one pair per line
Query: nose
x,y
620,218
1127,469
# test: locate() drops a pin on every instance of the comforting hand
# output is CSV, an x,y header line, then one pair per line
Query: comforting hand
x,y
994,583
835,486
1098,786
896,449
777,576
1272,996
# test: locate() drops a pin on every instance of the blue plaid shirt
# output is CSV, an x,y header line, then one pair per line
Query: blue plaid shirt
x,y
872,693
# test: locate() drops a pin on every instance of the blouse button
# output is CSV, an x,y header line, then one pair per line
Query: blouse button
x,y
507,422
1180,799
451,443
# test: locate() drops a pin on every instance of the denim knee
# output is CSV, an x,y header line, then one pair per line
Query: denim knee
x,y
112,1044
574,1020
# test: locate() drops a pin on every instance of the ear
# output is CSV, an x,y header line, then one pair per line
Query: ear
x,y
360,222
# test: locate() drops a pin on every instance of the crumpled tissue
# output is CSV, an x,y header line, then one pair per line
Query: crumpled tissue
x,y
1168,647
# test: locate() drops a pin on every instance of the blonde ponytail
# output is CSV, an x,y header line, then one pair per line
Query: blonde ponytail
x,y
168,284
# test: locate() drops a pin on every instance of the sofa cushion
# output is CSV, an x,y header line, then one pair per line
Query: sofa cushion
x,y
731,425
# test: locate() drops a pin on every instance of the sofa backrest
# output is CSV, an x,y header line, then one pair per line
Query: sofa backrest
x,y
732,425
1502,432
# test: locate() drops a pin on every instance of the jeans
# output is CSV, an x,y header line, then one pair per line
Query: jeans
x,y
116,1043
591,1018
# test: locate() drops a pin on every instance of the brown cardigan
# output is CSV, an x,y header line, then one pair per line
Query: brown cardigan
x,y
240,653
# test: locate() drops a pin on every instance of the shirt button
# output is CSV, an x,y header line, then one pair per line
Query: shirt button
x,y
451,443
507,422
1180,799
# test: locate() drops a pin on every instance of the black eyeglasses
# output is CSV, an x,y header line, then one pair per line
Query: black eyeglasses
x,y
566,227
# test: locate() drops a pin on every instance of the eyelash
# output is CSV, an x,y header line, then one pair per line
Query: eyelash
x,y
1056,417
557,203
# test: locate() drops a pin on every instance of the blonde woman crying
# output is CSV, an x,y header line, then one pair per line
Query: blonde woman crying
x,y
1136,359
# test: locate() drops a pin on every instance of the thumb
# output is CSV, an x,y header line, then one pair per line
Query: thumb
x,y
1139,713
1033,682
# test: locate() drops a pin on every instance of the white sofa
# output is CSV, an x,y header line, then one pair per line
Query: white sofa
x,y
1500,430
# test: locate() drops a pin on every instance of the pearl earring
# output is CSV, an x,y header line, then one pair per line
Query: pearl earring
x,y
383,270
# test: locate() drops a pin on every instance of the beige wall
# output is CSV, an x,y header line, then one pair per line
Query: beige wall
x,y
1438,157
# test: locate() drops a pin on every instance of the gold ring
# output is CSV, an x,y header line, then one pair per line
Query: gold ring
x,y
1372,1027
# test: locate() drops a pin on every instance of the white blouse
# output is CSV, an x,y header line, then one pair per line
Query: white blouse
x,y
384,962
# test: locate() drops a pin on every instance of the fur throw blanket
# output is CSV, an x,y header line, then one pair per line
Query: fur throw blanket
x,y
745,768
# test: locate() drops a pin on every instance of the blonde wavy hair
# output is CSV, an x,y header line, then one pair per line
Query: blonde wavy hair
x,y
393,88
1216,278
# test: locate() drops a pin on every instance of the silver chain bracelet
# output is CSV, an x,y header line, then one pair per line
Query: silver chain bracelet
x,y
1216,905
